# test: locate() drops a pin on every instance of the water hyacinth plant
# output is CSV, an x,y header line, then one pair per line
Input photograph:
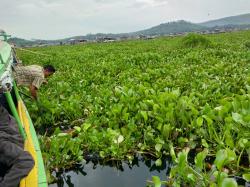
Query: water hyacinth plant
x,y
155,98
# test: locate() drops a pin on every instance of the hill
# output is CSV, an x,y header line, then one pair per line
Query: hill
x,y
232,20
21,42
172,27
225,24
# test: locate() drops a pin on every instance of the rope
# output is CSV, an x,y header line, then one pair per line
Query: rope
x,y
34,52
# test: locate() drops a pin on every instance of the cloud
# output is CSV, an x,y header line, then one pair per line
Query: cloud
x,y
106,1
52,19
151,3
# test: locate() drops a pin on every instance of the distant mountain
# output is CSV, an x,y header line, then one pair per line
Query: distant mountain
x,y
21,42
233,20
225,24
230,27
172,27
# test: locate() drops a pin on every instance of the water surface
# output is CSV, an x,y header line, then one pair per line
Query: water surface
x,y
114,174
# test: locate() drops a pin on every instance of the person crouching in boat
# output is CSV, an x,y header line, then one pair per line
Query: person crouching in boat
x,y
15,163
32,76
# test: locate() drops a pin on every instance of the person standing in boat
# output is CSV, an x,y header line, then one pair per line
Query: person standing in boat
x,y
32,76
15,163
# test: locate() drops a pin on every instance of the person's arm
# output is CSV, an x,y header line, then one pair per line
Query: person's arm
x,y
33,91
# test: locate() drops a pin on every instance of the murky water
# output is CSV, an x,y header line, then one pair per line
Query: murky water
x,y
113,174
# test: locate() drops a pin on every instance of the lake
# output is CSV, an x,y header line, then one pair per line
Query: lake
x,y
112,174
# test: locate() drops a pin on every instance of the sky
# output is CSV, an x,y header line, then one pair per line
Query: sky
x,y
56,19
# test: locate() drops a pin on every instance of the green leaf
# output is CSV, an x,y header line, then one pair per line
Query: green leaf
x,y
229,182
213,185
159,127
157,181
237,118
102,154
246,177
191,177
172,153
119,139
199,159
62,134
158,147
221,157
166,131
199,121
78,129
182,140
86,126
158,162
182,159
231,156
145,115
242,142
204,143
229,140
209,120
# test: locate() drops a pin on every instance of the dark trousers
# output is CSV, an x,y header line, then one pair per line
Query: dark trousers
x,y
15,163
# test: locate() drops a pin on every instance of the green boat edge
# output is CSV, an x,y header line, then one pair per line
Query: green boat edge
x,y
6,59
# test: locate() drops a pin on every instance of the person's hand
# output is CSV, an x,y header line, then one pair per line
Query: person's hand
x,y
45,82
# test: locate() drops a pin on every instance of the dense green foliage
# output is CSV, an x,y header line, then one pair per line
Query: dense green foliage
x,y
195,40
150,97
247,44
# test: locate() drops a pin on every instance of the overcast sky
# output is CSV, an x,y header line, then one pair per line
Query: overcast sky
x,y
54,19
